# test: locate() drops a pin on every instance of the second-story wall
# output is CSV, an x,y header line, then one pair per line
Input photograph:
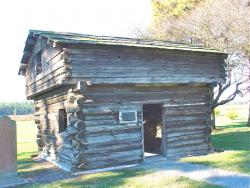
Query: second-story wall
x,y
50,66
46,68
118,65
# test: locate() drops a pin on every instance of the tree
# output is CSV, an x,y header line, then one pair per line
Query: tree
x,y
172,8
21,108
219,24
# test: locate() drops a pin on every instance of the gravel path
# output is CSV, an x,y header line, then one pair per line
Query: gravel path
x,y
197,172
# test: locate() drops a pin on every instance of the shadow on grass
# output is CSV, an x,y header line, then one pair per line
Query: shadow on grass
x,y
234,124
234,136
108,179
103,180
26,165
24,160
232,140
40,173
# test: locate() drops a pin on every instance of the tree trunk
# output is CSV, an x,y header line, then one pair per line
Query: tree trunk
x,y
212,108
213,119
248,121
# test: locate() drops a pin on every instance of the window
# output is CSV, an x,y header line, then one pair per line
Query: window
x,y
38,63
62,120
127,116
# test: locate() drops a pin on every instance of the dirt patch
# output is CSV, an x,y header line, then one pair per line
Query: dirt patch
x,y
22,117
48,173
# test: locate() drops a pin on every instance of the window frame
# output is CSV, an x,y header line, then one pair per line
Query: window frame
x,y
128,111
62,120
38,63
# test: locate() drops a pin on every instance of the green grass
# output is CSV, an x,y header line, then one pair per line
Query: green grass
x,y
26,133
26,146
232,137
127,179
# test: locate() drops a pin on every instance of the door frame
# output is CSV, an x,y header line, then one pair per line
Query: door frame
x,y
163,137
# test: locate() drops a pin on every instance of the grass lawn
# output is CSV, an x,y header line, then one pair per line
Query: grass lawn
x,y
232,136
126,179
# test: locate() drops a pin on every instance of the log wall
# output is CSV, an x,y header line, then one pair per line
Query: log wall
x,y
98,64
92,83
54,68
95,138
126,65
186,113
49,140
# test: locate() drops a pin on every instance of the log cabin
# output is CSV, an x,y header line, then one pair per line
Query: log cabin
x,y
103,102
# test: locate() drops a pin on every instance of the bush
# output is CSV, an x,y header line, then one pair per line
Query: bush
x,y
232,114
16,108
217,112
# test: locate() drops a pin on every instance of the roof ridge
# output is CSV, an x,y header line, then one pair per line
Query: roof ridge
x,y
106,37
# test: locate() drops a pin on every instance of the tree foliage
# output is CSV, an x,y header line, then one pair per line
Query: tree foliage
x,y
219,24
172,8
21,108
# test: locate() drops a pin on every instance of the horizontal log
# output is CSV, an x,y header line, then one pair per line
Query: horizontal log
x,y
186,128
113,132
49,53
56,92
147,80
100,128
112,138
55,100
95,72
100,117
176,134
114,156
113,148
90,123
186,122
104,164
97,112
179,118
141,96
191,142
53,83
54,77
113,142
48,68
184,138
203,146
171,88
68,159
187,153
50,72
192,109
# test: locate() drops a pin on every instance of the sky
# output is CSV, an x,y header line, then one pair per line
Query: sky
x,y
98,17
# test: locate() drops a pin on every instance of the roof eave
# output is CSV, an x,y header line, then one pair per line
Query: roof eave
x,y
29,44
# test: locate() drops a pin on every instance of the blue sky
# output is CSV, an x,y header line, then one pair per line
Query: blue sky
x,y
109,17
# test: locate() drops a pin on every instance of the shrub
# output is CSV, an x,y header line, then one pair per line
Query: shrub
x,y
217,112
232,114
